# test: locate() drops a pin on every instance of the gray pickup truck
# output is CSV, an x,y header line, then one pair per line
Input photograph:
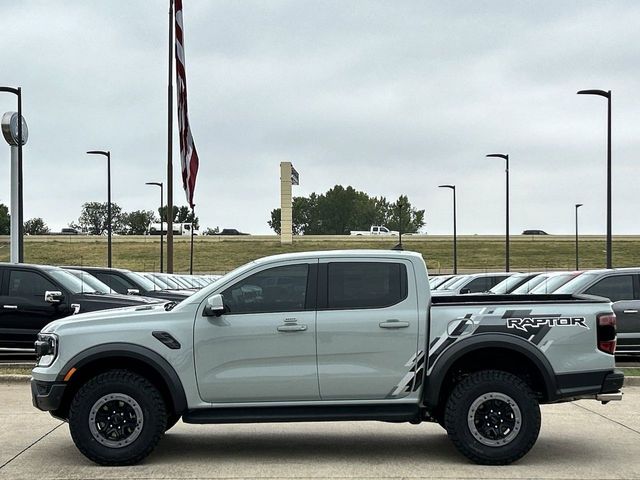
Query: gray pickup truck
x,y
326,336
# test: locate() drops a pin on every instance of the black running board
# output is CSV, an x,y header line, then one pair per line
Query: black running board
x,y
386,413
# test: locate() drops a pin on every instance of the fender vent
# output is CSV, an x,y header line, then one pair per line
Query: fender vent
x,y
167,339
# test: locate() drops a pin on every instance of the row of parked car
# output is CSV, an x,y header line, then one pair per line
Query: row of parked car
x,y
621,286
31,296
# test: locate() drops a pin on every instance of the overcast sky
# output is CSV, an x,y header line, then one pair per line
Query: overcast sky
x,y
390,97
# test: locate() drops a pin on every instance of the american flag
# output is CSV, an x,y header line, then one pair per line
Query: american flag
x,y
188,154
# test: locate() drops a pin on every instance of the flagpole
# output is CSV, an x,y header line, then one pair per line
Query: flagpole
x,y
169,209
193,223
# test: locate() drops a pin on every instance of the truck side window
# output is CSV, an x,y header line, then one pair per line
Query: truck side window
x,y
23,283
365,284
278,289
615,288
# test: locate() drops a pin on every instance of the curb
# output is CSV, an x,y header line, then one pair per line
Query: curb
x,y
632,381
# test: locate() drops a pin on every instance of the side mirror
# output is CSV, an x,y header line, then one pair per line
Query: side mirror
x,y
133,291
214,306
53,296
465,291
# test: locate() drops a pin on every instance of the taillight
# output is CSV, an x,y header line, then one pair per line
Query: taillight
x,y
607,333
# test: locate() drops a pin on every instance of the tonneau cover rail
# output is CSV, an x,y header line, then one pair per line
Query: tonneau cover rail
x,y
472,299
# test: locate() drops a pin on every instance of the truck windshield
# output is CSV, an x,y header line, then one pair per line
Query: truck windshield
x,y
71,283
90,280
145,283
551,284
578,284
509,284
157,281
526,287
458,283
444,285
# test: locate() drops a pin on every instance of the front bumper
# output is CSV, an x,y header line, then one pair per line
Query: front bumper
x,y
47,396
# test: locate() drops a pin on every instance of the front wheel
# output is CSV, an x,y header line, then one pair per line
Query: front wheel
x,y
117,418
492,417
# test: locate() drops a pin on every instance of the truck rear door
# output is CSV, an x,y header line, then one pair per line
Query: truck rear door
x,y
367,328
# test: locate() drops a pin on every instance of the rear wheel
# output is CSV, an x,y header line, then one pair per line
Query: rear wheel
x,y
492,417
117,418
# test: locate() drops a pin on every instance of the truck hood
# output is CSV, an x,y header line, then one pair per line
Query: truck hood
x,y
111,316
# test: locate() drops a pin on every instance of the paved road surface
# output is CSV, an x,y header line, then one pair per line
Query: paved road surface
x,y
578,440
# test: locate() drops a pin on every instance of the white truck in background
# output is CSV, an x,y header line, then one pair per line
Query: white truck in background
x,y
178,229
375,230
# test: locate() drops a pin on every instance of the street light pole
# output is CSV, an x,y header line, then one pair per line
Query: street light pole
x,y
578,205
109,231
455,233
506,158
159,184
607,95
18,93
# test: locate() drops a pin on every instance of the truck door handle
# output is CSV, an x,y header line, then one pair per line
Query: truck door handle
x,y
292,328
10,307
631,311
393,324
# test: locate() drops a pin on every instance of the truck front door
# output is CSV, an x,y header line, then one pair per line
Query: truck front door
x,y
23,311
263,348
367,329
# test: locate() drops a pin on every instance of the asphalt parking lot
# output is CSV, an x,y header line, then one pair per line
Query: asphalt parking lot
x,y
578,440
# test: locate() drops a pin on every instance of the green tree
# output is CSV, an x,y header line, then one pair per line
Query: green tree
x,y
137,222
341,210
36,226
403,218
181,214
94,219
303,216
5,220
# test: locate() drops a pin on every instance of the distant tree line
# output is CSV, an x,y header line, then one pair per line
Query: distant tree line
x,y
94,220
340,210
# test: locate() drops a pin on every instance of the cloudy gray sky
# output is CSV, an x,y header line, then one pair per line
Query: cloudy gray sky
x,y
392,97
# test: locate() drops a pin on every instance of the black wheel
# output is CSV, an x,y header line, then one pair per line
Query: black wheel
x,y
172,419
492,417
117,418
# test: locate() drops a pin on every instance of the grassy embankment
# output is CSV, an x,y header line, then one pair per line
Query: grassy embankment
x,y
219,254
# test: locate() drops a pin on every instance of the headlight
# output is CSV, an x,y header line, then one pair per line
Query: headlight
x,y
46,349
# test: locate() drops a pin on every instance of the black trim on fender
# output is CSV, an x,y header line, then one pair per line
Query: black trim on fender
x,y
137,352
433,382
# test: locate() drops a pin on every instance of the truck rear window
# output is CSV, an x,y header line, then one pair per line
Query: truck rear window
x,y
365,284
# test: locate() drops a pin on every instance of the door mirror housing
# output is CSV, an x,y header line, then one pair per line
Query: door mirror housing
x,y
465,291
214,306
53,296
133,291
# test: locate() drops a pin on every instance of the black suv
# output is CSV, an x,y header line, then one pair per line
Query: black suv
x,y
33,295
131,283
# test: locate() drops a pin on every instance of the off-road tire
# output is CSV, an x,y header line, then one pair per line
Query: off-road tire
x,y
459,411
121,382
